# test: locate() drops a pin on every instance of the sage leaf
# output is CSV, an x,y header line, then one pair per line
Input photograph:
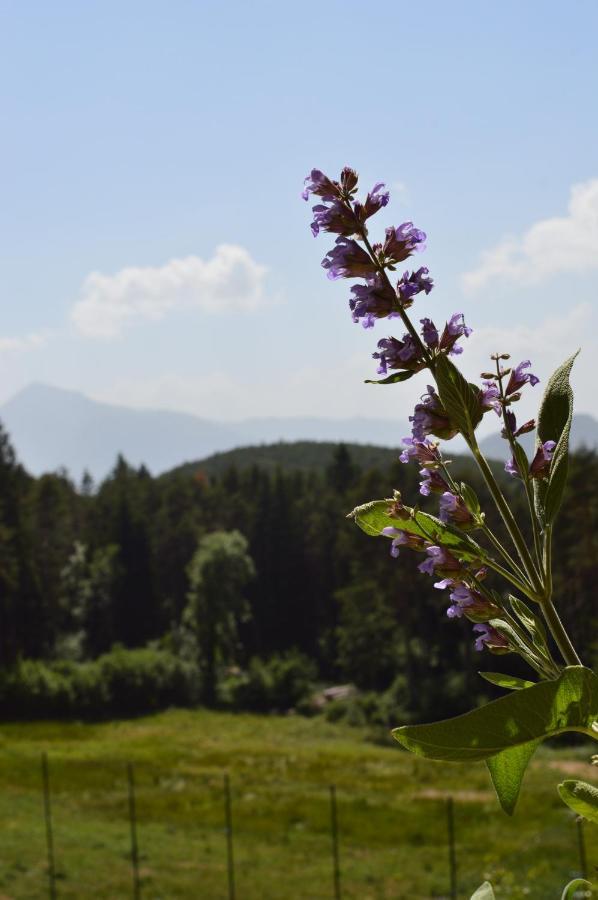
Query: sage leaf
x,y
581,797
506,681
569,703
373,517
391,379
460,398
507,770
573,887
554,424
484,892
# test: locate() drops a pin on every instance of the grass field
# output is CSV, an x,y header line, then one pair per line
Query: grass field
x,y
391,811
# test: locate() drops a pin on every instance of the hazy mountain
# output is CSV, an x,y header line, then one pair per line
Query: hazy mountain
x,y
52,428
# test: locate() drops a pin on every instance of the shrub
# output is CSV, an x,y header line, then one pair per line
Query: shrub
x,y
272,685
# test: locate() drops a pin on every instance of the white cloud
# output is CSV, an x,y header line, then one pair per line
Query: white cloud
x,y
28,342
549,247
228,282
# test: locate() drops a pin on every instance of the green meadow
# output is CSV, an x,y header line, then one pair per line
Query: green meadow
x,y
391,813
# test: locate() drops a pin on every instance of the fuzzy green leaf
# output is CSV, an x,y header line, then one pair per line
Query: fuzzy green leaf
x,y
484,892
554,424
507,770
581,797
373,517
392,379
569,703
460,398
571,889
506,681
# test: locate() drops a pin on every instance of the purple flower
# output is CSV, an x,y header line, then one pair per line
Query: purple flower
x,y
348,260
454,510
440,561
518,378
430,417
430,333
337,218
469,602
372,300
490,397
401,242
425,452
375,200
541,462
489,637
319,184
512,468
510,426
431,482
398,354
410,285
453,330
403,539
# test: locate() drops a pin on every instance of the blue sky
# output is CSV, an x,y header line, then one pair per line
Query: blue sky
x,y
139,138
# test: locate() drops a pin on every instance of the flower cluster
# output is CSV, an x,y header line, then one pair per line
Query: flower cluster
x,y
407,354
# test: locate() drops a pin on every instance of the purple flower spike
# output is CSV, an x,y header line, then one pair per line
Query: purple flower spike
x,y
395,354
489,637
430,417
401,242
512,468
375,200
431,482
425,452
319,184
336,218
410,285
541,462
403,539
453,330
372,300
440,561
348,260
430,333
490,397
453,510
518,378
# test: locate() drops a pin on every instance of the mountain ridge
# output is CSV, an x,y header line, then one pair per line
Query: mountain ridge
x,y
53,428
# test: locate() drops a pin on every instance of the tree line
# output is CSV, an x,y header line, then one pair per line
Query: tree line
x,y
249,568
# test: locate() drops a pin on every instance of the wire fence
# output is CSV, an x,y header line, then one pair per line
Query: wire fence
x,y
228,847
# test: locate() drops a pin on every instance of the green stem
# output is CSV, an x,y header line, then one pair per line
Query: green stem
x,y
507,516
505,555
559,634
524,475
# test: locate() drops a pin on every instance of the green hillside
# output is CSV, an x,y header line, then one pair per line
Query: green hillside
x,y
305,456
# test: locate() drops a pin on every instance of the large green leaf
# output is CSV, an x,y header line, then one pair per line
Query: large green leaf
x,y
554,424
507,770
484,892
373,517
524,717
460,398
571,890
581,797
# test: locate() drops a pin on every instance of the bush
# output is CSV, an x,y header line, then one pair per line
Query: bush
x,y
272,685
120,683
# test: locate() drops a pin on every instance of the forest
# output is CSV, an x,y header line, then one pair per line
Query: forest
x,y
240,583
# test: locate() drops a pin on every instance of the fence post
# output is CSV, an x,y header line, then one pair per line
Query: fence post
x,y
581,845
133,827
336,872
228,817
49,830
450,815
